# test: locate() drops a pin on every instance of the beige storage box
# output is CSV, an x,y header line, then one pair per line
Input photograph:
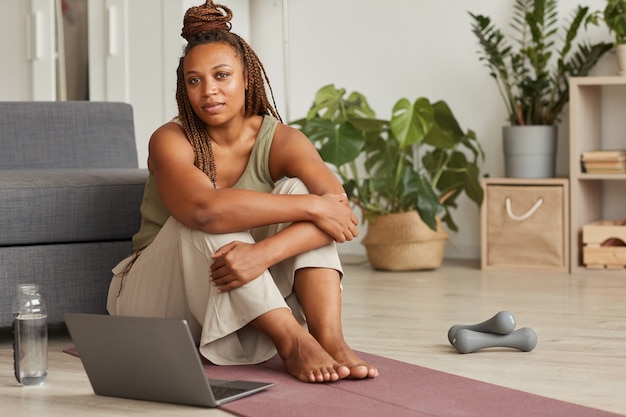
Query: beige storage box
x,y
525,224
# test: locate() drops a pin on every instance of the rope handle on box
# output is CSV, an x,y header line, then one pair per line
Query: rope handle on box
x,y
526,215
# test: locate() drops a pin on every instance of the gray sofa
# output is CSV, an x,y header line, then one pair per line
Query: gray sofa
x,y
70,191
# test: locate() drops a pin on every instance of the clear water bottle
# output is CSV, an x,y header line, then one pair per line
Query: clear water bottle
x,y
30,336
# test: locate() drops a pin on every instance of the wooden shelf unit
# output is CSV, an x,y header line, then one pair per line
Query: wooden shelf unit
x,y
597,121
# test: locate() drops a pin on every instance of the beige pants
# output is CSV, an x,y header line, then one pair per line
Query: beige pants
x,y
170,279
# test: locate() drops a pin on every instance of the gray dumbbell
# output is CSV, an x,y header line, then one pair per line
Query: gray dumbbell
x,y
468,341
502,323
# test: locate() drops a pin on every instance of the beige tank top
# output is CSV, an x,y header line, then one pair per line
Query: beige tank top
x,y
256,177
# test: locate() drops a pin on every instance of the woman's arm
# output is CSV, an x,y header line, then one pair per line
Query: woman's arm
x,y
237,263
189,196
292,155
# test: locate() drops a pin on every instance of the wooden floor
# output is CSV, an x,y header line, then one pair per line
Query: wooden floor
x,y
580,321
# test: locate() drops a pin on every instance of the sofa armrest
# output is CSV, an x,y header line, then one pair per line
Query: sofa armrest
x,y
51,206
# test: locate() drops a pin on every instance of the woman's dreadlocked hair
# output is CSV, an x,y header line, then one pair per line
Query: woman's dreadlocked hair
x,y
206,24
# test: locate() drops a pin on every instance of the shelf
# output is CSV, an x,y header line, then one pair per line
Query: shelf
x,y
596,122
595,81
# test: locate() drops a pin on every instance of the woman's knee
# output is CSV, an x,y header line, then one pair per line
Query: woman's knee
x,y
290,186
208,243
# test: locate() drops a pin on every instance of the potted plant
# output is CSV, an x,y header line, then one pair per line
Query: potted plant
x,y
532,73
615,19
413,166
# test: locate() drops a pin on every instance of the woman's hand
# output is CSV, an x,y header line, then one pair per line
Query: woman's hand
x,y
236,264
335,217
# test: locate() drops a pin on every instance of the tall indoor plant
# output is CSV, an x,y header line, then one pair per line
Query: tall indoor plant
x,y
532,72
418,162
615,18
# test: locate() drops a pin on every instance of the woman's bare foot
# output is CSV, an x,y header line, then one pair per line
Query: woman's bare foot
x,y
346,356
324,317
309,362
302,355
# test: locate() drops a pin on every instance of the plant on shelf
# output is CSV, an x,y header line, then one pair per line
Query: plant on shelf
x,y
418,160
615,18
532,71
533,76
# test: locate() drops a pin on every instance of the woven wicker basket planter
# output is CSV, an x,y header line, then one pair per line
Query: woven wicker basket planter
x,y
403,242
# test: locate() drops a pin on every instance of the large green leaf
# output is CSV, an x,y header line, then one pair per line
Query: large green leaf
x,y
446,121
319,130
410,123
357,107
439,138
428,205
368,124
473,188
327,98
402,124
343,146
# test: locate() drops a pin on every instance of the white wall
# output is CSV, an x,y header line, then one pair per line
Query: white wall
x,y
400,48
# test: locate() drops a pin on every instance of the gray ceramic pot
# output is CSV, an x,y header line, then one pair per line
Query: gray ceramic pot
x,y
530,151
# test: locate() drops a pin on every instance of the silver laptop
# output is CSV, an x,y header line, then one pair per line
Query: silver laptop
x,y
149,359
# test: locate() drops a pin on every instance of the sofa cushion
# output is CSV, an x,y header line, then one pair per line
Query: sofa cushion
x,y
75,205
71,277
67,134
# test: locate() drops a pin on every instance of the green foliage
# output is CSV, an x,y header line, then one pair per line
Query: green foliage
x,y
414,161
534,78
615,19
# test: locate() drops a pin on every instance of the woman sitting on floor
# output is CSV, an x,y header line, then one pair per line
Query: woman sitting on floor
x,y
239,220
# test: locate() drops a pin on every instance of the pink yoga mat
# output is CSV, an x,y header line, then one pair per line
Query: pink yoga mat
x,y
401,390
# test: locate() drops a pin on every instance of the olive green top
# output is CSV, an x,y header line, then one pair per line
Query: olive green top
x,y
256,177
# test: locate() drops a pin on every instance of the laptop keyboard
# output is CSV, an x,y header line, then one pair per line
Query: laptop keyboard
x,y
220,392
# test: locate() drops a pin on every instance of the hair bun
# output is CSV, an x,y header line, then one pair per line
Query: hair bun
x,y
206,17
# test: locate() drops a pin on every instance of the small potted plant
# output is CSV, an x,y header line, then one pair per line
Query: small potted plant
x,y
404,173
532,73
615,19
